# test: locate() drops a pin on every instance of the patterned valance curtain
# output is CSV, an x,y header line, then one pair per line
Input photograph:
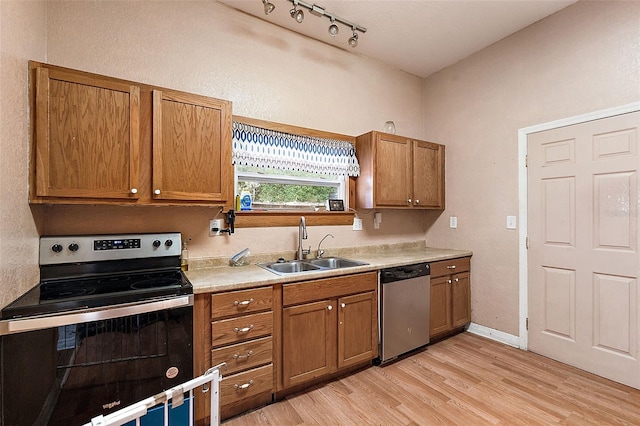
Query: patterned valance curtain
x,y
258,147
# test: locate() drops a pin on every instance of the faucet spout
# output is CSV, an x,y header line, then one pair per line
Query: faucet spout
x,y
320,251
302,235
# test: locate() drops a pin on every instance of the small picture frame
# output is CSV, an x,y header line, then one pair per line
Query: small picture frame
x,y
336,205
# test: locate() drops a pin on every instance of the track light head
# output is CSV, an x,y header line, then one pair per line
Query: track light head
x,y
333,28
353,41
296,13
268,7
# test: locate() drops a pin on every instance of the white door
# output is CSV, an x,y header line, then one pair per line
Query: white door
x,y
583,246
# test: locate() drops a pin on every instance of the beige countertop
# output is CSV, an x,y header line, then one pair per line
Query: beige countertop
x,y
224,278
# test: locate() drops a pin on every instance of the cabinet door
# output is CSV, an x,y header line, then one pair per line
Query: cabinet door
x,y
440,315
357,329
428,175
191,148
461,299
392,182
308,337
87,136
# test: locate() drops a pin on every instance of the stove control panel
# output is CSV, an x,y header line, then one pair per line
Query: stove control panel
x,y
92,248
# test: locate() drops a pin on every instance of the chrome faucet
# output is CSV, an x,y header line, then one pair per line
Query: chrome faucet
x,y
321,252
302,235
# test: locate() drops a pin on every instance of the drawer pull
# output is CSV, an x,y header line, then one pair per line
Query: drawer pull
x,y
448,281
243,330
343,305
457,279
330,307
451,267
237,356
243,303
240,387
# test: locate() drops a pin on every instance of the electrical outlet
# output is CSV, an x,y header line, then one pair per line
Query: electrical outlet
x,y
357,224
453,222
511,222
215,225
377,220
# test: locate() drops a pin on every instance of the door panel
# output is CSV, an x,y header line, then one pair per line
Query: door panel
x,y
583,253
393,171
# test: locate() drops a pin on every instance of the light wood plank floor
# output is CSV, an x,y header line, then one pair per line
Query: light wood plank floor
x,y
464,380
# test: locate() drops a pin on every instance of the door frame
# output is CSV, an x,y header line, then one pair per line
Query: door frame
x,y
523,183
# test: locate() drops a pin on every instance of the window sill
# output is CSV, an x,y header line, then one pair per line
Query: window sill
x,y
256,219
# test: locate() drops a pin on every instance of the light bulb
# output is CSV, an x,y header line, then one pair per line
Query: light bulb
x,y
333,29
299,16
268,7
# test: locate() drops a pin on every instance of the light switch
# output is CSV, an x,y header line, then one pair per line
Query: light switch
x,y
453,221
511,222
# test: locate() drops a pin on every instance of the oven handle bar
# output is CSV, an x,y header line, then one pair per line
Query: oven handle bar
x,y
51,321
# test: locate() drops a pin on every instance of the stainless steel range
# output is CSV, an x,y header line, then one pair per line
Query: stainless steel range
x,y
110,323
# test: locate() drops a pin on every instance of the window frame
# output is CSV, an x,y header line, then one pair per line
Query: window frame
x,y
247,219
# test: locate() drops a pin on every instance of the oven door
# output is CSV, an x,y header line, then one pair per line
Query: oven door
x,y
67,369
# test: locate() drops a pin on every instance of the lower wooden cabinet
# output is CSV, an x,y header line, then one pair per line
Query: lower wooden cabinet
x,y
450,296
327,325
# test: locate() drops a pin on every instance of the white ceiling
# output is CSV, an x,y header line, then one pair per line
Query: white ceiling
x,y
417,36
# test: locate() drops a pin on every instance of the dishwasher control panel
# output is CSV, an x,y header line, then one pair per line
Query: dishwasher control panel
x,y
404,272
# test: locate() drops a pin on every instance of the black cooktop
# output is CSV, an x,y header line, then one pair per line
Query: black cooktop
x,y
67,294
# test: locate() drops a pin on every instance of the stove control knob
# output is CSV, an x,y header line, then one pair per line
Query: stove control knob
x,y
156,243
73,247
168,243
56,248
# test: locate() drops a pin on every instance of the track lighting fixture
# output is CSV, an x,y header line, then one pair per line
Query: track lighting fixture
x,y
353,41
298,14
268,7
333,28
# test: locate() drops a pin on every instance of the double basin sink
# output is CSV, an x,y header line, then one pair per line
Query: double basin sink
x,y
282,267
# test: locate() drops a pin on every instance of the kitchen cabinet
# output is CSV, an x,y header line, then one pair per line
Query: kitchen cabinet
x,y
450,296
236,328
191,160
87,136
101,140
328,325
399,172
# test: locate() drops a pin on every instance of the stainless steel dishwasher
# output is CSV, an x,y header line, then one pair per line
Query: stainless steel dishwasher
x,y
404,310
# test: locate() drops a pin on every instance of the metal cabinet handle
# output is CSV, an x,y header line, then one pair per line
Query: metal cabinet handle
x,y
238,356
451,267
343,305
409,200
157,192
448,281
329,307
417,201
243,330
240,387
134,190
243,303
457,279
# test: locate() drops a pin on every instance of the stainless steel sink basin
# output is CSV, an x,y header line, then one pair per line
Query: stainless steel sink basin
x,y
295,266
289,267
335,263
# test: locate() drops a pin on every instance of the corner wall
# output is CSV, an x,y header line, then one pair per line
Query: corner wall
x,y
581,59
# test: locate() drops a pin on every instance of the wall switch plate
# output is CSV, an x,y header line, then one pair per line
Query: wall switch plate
x,y
453,221
215,225
357,224
511,222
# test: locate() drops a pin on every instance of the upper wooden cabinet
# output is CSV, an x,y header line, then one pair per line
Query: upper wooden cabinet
x,y
191,159
399,172
102,140
87,136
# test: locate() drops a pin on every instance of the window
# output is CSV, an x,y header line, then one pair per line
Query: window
x,y
287,171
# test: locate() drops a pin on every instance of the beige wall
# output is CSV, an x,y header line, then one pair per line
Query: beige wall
x,y
23,26
581,59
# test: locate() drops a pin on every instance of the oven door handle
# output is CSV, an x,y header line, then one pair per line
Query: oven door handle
x,y
51,321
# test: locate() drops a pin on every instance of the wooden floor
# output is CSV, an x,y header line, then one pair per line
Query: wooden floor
x,y
464,380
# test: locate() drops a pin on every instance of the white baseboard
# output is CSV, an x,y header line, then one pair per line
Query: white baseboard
x,y
497,335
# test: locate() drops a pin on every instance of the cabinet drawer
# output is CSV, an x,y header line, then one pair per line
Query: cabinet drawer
x,y
240,302
451,266
244,385
244,355
329,288
235,330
